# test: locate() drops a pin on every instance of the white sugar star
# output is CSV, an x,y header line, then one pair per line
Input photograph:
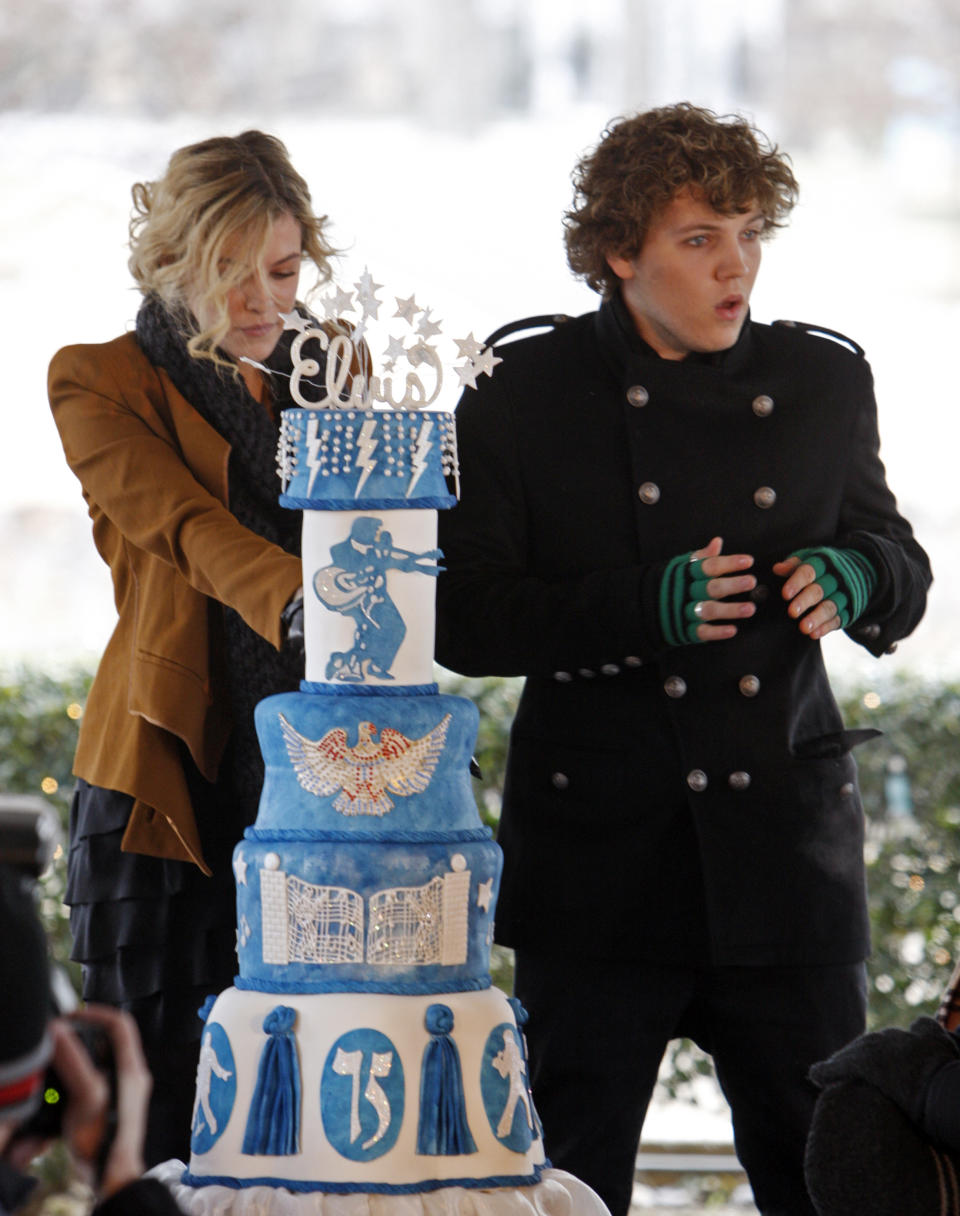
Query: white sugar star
x,y
468,347
395,349
407,309
243,931
295,320
467,374
367,294
240,869
487,361
484,895
428,327
337,304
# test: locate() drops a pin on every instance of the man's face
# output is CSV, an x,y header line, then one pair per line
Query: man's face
x,y
689,287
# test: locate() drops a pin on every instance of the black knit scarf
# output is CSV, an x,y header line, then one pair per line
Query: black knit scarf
x,y
254,668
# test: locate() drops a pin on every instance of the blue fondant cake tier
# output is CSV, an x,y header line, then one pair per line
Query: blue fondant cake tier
x,y
380,765
365,915
335,460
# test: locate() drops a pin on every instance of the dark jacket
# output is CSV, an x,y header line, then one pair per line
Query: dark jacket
x,y
718,770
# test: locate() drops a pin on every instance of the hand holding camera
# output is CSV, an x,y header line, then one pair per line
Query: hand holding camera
x,y
101,1085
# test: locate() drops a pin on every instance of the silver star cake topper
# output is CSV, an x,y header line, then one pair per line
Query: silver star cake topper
x,y
349,380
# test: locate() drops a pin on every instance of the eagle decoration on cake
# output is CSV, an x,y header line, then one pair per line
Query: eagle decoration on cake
x,y
364,776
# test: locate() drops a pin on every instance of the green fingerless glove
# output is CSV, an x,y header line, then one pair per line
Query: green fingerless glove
x,y
682,587
845,576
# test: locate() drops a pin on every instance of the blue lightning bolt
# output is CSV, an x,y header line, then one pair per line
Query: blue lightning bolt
x,y
365,448
419,456
313,452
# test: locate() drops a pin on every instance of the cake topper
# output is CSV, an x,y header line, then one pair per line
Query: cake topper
x,y
346,379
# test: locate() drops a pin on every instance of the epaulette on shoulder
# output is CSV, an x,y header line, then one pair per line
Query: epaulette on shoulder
x,y
821,331
547,321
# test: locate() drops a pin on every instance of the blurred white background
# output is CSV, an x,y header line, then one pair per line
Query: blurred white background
x,y
439,136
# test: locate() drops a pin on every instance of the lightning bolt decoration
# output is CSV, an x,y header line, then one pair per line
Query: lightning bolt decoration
x,y
365,449
313,452
420,454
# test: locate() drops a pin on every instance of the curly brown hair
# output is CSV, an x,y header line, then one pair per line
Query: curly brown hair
x,y
225,189
643,162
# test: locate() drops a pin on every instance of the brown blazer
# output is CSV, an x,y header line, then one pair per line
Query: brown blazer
x,y
154,477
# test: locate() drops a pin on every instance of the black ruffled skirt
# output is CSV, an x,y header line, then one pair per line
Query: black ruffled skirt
x,y
152,936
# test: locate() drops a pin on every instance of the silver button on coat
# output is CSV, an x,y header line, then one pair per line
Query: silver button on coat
x,y
649,493
637,395
697,780
675,686
762,406
765,497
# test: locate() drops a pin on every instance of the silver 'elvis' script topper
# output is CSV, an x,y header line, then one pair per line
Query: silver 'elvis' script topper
x,y
347,379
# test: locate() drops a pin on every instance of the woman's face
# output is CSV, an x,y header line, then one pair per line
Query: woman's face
x,y
268,290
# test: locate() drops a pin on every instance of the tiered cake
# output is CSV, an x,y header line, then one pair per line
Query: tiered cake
x,y
363,1051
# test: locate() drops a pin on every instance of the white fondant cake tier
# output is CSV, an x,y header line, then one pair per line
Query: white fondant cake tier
x,y
369,590
363,1067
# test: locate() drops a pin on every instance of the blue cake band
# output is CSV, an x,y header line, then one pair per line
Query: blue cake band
x,y
440,503
382,987
318,689
429,836
371,1188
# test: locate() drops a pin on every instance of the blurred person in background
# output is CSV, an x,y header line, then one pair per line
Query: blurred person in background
x,y
103,1130
172,432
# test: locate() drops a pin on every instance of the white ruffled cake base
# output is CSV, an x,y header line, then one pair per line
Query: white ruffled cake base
x,y
557,1194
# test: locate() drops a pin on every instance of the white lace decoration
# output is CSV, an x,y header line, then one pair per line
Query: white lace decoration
x,y
308,923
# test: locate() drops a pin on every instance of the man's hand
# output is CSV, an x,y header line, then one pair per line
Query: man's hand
x,y
805,598
721,572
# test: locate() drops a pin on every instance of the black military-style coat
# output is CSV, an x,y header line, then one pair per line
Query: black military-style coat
x,y
700,799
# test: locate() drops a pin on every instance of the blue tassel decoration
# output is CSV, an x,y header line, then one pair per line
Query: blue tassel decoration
x,y
443,1129
273,1124
522,1018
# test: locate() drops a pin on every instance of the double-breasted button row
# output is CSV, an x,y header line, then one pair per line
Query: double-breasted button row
x,y
764,496
762,405
698,781
676,686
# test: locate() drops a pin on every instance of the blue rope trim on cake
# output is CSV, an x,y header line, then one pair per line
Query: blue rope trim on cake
x,y
382,987
466,836
315,688
371,1188
439,503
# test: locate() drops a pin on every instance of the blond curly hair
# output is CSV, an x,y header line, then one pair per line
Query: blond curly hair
x,y
223,193
643,162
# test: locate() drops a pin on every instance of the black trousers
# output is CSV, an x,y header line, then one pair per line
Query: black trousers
x,y
597,1032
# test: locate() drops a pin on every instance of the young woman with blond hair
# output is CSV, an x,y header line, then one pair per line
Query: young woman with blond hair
x,y
172,432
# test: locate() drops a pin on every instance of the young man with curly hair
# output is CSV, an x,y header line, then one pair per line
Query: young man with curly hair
x,y
666,505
